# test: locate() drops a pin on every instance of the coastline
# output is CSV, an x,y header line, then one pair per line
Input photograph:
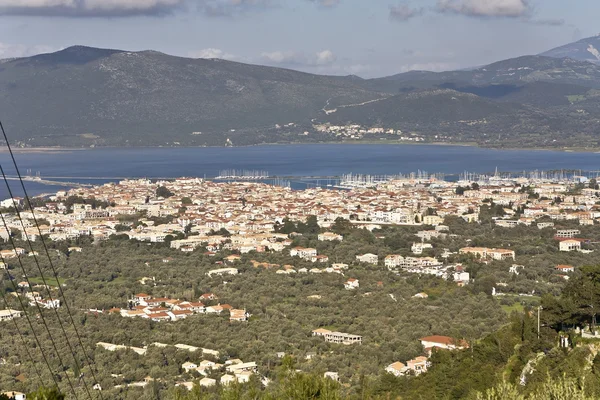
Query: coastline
x,y
32,150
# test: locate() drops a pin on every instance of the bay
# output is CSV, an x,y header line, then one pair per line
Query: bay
x,y
280,160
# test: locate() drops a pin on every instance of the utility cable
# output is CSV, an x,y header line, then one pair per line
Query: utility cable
x,y
62,294
13,318
37,304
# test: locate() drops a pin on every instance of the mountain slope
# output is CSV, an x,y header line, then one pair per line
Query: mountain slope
x,y
85,95
520,70
587,49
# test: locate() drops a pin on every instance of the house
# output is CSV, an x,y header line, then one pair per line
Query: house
x,y
223,271
141,297
421,295
233,258
368,258
351,284
332,375
15,395
343,338
227,379
443,342
303,252
209,296
244,376
567,233
393,260
397,369
570,245
238,315
485,253
241,367
565,268
9,314
432,220
189,366
320,332
417,365
330,237
207,382
417,248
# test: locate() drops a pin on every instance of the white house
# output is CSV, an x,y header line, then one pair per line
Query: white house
x,y
397,369
393,261
223,271
207,382
368,258
15,395
189,366
7,315
443,342
351,284
330,237
565,268
570,245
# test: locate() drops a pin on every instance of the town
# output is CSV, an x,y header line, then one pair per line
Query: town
x,y
389,240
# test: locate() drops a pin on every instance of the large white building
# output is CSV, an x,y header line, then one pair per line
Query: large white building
x,y
7,315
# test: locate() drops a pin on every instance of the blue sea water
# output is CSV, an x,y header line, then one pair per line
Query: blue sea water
x,y
282,160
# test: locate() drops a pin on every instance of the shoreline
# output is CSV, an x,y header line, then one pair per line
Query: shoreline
x,y
32,150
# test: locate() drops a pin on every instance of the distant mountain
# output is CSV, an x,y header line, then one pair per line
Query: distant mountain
x,y
583,50
84,96
520,70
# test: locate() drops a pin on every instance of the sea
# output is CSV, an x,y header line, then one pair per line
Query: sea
x,y
299,166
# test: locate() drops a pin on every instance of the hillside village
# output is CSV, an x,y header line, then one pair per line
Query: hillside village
x,y
244,226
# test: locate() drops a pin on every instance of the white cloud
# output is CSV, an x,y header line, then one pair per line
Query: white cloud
x,y
8,50
211,53
89,8
325,57
292,58
403,12
486,8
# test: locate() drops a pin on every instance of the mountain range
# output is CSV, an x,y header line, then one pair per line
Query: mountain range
x,y
83,96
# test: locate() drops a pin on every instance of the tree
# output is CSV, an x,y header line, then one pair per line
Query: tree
x,y
342,226
46,394
163,191
584,292
186,200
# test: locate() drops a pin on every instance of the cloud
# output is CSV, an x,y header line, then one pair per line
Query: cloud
x,y
486,8
126,8
8,50
211,53
229,8
292,58
403,12
326,3
325,57
89,8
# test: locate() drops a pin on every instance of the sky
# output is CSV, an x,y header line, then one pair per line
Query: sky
x,y
368,38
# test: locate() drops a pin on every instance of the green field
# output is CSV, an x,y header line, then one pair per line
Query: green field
x,y
49,280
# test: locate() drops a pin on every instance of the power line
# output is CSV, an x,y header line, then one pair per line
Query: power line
x,y
86,355
36,303
47,287
37,371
